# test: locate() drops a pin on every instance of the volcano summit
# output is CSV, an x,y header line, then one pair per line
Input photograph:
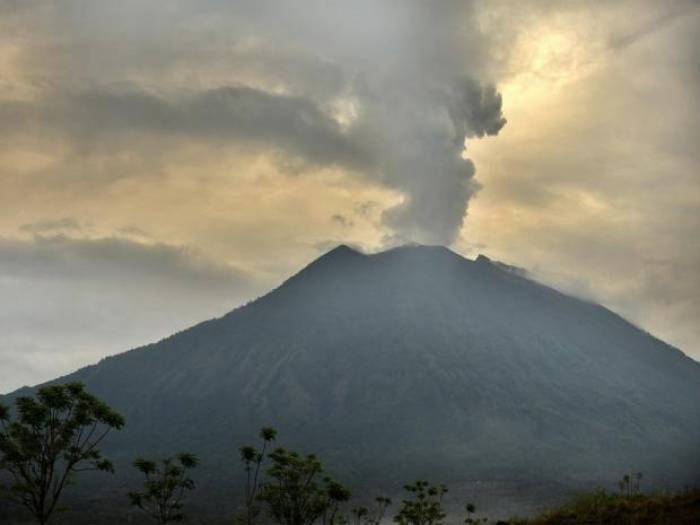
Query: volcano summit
x,y
414,362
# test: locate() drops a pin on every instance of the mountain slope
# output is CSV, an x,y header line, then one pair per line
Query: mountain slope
x,y
416,362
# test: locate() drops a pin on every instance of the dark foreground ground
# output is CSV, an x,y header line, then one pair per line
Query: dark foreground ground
x,y
592,508
602,508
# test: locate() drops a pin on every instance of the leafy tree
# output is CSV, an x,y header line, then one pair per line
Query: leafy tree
x,y
624,485
638,479
360,516
470,519
165,487
252,459
54,436
366,516
335,495
630,484
424,506
296,494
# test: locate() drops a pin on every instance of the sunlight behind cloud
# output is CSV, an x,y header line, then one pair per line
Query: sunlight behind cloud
x,y
591,178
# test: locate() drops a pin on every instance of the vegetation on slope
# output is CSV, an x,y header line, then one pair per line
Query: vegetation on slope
x,y
606,508
56,435
53,437
402,365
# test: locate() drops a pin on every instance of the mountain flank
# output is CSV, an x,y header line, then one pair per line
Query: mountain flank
x,y
413,362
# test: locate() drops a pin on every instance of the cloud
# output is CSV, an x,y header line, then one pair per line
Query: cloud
x,y
342,220
593,185
113,259
421,146
412,144
476,111
102,117
386,90
66,223
76,300
658,21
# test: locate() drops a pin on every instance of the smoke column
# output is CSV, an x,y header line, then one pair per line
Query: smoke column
x,y
406,74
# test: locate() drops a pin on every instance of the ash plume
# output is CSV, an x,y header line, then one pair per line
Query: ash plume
x,y
413,82
387,90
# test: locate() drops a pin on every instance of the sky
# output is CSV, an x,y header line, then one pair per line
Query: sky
x,y
164,162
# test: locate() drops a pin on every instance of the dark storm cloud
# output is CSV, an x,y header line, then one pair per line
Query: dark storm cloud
x,y
410,142
294,124
278,122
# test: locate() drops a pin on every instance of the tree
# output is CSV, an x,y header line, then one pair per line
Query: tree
x,y
295,492
630,484
366,516
54,436
470,519
424,506
638,478
252,462
335,495
165,487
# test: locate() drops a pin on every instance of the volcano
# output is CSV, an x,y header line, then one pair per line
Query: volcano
x,y
413,363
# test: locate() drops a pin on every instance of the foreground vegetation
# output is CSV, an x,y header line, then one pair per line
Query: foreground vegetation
x,y
603,508
50,438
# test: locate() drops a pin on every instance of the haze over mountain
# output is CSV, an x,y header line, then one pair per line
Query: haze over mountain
x,y
414,362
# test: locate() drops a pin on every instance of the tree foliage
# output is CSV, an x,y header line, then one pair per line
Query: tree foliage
x,y
370,516
165,486
601,506
53,436
252,459
296,491
423,506
630,484
470,518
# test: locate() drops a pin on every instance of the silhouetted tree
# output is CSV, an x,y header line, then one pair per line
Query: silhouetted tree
x,y
54,436
295,492
424,506
252,459
630,484
335,495
470,519
366,516
165,487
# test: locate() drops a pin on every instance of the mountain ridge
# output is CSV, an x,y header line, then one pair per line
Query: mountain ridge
x,y
415,362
